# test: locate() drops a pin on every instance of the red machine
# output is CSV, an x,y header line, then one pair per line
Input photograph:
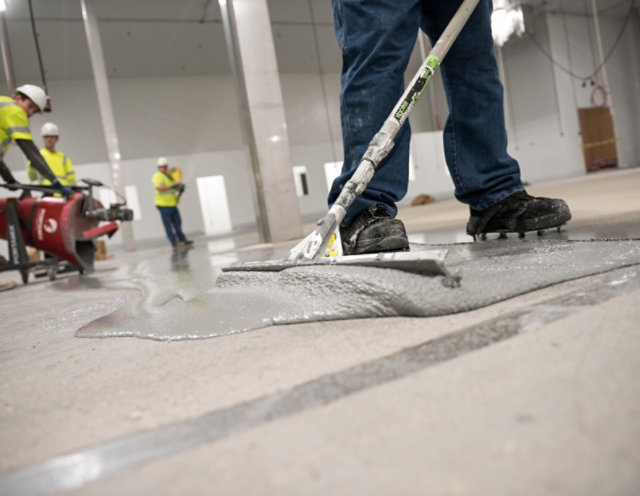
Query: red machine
x,y
65,228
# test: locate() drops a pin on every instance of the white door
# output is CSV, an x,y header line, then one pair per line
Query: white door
x,y
331,171
213,202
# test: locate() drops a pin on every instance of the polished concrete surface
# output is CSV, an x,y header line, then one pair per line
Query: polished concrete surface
x,y
535,394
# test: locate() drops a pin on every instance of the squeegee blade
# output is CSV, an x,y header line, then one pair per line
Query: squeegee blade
x,y
428,262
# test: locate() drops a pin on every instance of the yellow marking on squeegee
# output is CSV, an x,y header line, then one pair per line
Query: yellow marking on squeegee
x,y
331,251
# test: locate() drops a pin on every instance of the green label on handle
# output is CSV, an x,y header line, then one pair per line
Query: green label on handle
x,y
429,68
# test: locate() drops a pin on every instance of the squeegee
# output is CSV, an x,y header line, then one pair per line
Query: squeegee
x,y
323,246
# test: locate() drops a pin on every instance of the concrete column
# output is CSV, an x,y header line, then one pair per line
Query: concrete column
x,y
253,61
6,56
106,112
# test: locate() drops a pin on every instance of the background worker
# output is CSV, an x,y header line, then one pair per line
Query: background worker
x,y
376,40
58,162
167,196
14,126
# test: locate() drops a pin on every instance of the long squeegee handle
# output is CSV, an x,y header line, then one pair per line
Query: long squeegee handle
x,y
314,245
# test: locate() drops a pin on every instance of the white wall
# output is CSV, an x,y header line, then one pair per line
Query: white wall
x,y
543,98
431,173
543,132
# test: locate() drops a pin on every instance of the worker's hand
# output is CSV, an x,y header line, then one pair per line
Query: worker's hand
x,y
63,189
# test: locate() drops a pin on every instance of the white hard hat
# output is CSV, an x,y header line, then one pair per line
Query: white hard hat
x,y
162,161
35,94
49,129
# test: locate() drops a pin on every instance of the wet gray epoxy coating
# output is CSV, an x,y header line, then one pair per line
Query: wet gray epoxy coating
x,y
189,306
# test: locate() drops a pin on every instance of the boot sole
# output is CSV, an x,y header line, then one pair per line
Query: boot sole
x,y
540,227
537,224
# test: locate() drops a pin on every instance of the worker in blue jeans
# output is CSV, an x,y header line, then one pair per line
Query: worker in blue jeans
x,y
376,40
167,196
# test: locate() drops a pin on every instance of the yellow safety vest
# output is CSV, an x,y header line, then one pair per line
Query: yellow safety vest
x,y
168,198
14,123
60,165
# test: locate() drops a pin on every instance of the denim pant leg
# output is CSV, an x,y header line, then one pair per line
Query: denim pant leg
x,y
376,39
165,215
176,220
475,138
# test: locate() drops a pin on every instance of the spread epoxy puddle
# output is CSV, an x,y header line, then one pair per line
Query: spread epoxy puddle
x,y
491,271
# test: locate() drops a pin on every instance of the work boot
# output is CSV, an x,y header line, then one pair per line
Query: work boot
x,y
187,243
519,213
183,245
373,231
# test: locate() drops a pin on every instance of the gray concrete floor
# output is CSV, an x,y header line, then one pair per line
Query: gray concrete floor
x,y
488,402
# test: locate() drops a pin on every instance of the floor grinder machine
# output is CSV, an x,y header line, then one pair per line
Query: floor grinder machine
x,y
65,229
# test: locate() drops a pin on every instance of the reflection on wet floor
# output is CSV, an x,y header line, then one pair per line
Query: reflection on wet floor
x,y
180,260
221,245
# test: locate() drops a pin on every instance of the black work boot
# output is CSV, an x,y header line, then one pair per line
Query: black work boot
x,y
373,231
519,213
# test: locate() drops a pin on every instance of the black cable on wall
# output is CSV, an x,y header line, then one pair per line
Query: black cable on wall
x,y
47,108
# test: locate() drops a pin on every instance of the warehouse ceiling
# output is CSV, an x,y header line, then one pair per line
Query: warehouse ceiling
x,y
164,38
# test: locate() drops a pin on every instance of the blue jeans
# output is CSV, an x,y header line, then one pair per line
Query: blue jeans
x,y
172,224
376,39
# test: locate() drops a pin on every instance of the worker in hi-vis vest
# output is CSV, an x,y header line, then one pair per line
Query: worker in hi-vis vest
x,y
58,162
14,126
167,196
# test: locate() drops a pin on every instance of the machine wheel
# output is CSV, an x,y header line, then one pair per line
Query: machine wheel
x,y
52,272
25,276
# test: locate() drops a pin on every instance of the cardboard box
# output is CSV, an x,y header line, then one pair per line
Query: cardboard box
x,y
34,255
101,250
598,138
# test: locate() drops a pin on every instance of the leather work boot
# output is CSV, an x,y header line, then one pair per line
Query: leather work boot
x,y
373,231
519,213
183,245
